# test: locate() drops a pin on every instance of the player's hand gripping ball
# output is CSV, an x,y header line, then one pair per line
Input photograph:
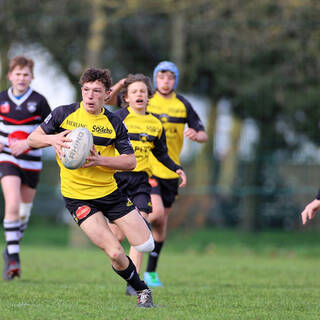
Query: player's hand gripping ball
x,y
80,146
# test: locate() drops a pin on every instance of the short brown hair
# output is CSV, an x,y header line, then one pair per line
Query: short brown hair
x,y
131,78
94,74
21,61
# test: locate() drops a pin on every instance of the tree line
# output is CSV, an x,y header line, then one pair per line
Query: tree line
x,y
261,55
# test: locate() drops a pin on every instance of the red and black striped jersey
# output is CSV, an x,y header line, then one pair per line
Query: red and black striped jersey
x,y
18,118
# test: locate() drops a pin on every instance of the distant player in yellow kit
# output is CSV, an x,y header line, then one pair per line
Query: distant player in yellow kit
x,y
147,137
174,111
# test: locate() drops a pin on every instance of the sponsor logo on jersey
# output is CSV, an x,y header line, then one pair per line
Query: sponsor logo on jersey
x,y
32,106
153,129
101,129
145,150
5,107
75,124
164,118
171,132
82,212
143,137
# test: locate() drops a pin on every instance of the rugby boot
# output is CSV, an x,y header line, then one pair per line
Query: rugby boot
x,y
144,299
152,280
11,268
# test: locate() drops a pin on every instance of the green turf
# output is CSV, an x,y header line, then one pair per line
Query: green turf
x,y
209,274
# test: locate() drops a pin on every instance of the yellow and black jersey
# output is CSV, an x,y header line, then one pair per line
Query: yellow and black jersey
x,y
147,136
174,113
109,135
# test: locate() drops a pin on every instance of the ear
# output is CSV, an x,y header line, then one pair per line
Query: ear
x,y
126,99
108,94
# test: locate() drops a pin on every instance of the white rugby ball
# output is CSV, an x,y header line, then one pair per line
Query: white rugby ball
x,y
80,146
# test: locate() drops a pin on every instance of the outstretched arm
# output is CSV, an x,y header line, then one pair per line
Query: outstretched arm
x,y
310,210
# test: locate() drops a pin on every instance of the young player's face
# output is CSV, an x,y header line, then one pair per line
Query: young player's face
x,y
20,79
137,96
165,82
94,95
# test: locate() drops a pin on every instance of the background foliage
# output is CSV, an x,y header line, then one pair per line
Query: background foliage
x,y
262,56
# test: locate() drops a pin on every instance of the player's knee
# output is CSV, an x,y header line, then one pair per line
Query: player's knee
x,y
158,212
147,246
25,211
157,221
115,254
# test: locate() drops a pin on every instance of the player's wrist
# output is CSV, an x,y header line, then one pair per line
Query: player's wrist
x,y
27,143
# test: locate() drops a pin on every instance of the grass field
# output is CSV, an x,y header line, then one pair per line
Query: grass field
x,y
208,274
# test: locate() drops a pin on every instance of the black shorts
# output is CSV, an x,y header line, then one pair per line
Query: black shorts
x,y
30,178
113,206
166,188
136,186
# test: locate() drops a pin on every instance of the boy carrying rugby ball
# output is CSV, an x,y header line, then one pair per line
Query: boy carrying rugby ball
x,y
91,193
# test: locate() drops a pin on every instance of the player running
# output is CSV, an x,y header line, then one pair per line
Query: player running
x,y
174,111
147,136
21,110
91,194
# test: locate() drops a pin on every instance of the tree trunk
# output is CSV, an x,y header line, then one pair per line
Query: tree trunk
x,y
4,61
229,162
96,34
77,238
178,39
205,163
251,202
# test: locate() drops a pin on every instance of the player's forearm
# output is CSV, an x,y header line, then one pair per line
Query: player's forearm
x,y
122,162
38,139
201,136
115,89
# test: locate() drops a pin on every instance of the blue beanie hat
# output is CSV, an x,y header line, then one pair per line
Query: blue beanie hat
x,y
166,66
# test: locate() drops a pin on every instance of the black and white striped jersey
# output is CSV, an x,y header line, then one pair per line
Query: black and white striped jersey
x,y
18,118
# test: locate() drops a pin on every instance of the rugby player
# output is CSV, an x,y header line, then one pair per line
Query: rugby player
x,y
147,136
91,193
174,111
21,110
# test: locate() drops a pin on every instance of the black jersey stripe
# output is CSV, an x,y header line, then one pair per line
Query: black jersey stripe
x,y
141,137
170,119
24,156
100,141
